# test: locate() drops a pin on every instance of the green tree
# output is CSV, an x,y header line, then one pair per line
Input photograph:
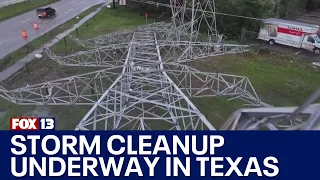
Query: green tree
x,y
231,25
228,25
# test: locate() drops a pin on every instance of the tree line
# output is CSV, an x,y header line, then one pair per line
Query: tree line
x,y
230,25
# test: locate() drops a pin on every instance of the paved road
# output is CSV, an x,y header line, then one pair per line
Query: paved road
x,y
10,30
2,1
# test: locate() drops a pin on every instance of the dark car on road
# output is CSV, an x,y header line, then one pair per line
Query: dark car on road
x,y
45,12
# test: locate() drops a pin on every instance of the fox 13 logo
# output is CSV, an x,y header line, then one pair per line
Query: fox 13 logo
x,y
32,123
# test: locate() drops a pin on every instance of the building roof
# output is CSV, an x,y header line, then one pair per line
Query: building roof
x,y
281,21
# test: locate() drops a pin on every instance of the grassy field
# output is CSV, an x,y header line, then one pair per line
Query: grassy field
x,y
23,7
106,21
281,80
15,56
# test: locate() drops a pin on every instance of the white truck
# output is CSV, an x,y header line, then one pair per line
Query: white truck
x,y
291,33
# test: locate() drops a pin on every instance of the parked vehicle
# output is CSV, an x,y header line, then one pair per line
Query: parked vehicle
x,y
291,33
45,12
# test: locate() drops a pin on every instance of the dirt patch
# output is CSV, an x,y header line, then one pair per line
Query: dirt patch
x,y
40,111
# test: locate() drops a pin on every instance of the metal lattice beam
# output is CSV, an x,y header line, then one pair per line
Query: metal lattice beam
x,y
185,52
109,40
304,117
82,89
141,96
106,56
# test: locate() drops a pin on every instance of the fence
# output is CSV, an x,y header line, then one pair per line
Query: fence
x,y
7,3
251,38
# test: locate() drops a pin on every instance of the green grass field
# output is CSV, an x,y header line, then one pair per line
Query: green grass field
x,y
23,7
280,80
107,21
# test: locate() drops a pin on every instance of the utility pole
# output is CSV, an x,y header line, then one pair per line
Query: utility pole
x,y
114,4
192,20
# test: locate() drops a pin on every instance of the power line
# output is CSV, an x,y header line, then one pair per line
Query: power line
x,y
169,6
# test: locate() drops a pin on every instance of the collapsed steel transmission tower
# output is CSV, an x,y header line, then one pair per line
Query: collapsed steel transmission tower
x,y
144,85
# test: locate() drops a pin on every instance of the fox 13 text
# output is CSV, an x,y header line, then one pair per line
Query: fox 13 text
x,y
127,155
32,123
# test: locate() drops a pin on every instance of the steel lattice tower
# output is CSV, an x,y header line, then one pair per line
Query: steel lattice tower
x,y
145,86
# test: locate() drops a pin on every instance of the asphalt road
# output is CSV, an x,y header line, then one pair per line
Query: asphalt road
x,y
10,30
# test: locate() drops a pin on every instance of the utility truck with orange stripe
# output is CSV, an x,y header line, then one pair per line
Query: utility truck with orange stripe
x,y
291,33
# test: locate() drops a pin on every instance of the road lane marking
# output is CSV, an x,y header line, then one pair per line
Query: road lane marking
x,y
5,41
298,52
46,21
25,20
69,10
73,1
